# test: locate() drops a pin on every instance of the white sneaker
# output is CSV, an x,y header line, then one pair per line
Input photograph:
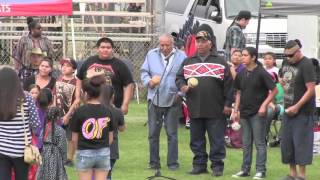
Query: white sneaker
x,y
259,175
241,174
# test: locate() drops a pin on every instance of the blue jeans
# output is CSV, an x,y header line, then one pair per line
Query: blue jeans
x,y
98,159
254,130
169,117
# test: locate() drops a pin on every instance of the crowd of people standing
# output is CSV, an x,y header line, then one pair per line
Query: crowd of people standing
x,y
74,119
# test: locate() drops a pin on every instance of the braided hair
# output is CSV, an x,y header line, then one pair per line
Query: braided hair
x,y
53,115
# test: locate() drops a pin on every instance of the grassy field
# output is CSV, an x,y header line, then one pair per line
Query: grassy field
x,y
134,155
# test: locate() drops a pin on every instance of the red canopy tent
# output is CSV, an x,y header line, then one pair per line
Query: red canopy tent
x,y
35,7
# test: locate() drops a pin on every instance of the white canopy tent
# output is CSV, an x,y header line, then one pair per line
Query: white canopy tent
x,y
287,8
290,7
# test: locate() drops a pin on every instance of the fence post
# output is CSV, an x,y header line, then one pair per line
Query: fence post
x,y
64,36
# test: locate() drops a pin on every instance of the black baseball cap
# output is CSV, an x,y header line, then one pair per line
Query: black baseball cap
x,y
244,14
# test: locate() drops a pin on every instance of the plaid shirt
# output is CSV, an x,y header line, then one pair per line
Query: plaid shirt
x,y
234,39
24,47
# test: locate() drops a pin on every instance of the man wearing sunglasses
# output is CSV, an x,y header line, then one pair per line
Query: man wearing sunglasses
x,y
298,80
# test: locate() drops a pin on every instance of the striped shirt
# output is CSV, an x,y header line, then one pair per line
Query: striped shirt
x,y
26,44
12,141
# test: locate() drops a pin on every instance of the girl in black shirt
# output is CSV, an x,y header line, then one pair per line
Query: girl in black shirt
x,y
92,132
254,91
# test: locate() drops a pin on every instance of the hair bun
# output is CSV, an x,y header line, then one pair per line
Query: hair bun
x,y
54,113
29,20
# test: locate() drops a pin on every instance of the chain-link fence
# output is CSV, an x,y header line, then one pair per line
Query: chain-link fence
x,y
129,47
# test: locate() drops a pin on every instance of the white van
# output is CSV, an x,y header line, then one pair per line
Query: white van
x,y
219,14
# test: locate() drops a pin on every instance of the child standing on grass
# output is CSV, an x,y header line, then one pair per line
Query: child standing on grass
x,y
64,97
54,148
107,99
92,132
252,98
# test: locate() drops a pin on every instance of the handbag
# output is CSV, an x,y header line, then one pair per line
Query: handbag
x,y
31,152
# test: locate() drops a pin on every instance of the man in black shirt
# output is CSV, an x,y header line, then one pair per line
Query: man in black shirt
x,y
298,80
206,103
115,71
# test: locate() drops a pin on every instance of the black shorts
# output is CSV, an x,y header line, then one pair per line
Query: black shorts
x,y
297,139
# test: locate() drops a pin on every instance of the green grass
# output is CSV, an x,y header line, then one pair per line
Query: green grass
x,y
134,155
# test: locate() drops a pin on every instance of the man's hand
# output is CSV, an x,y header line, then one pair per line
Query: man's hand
x,y
227,110
235,116
77,103
184,89
262,111
125,108
154,81
292,110
152,84
65,119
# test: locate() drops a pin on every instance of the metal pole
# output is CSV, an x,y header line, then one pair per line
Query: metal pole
x,y
64,37
73,40
159,16
258,30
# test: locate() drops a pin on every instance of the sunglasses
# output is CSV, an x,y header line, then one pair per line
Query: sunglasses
x,y
290,55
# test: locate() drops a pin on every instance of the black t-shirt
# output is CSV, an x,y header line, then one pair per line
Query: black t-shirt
x,y
93,123
32,80
116,72
254,86
118,120
295,76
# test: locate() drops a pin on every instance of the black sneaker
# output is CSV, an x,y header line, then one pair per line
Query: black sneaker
x,y
196,171
217,173
153,167
241,174
259,175
173,167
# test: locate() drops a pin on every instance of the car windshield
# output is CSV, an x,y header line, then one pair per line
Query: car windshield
x,y
234,6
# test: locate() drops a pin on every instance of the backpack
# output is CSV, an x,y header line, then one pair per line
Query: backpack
x,y
233,139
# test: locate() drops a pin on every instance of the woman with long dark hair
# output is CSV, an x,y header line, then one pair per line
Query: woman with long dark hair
x,y
18,115
252,86
43,78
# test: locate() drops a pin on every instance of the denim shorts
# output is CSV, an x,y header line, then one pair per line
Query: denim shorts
x,y
98,159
